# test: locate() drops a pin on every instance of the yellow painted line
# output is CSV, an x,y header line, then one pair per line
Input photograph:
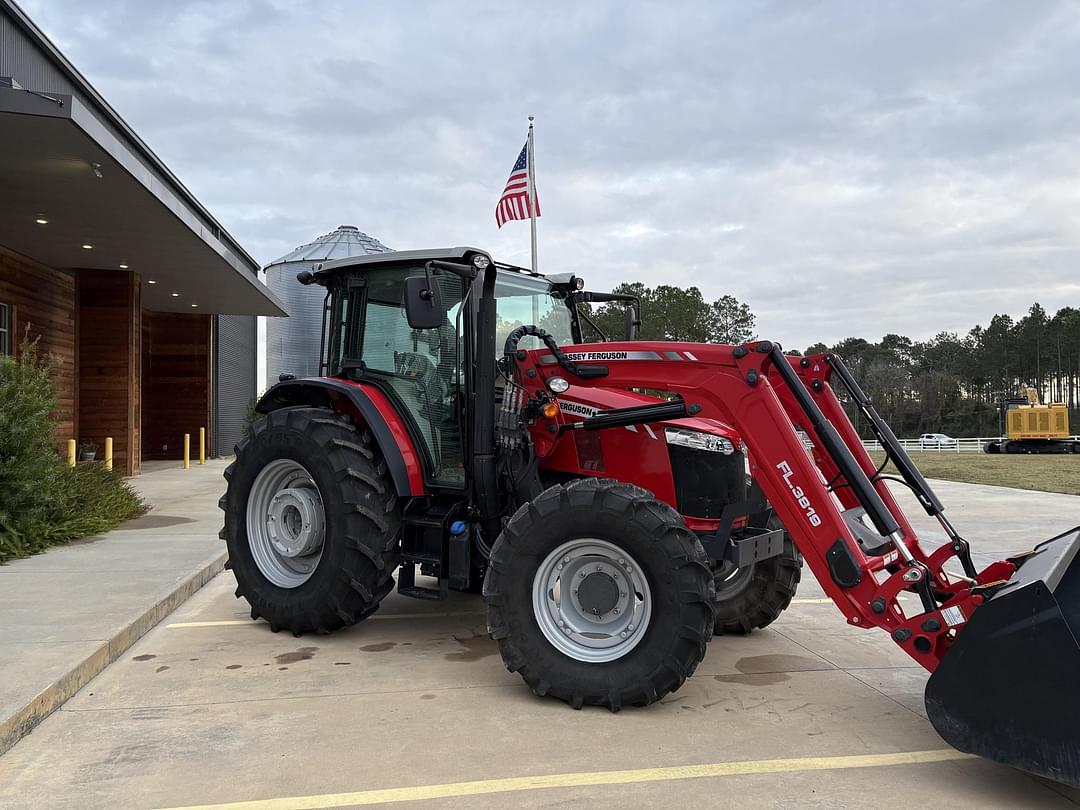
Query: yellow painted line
x,y
587,779
242,622
432,615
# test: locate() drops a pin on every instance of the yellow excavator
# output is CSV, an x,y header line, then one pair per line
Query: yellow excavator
x,y
1032,427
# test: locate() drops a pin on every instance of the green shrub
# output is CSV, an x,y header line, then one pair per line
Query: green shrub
x,y
44,502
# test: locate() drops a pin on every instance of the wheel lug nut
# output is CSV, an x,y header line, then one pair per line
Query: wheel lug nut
x,y
622,561
583,575
630,628
566,559
566,630
622,634
622,594
599,568
616,610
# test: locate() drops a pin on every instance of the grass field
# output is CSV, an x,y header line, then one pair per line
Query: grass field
x,y
1056,473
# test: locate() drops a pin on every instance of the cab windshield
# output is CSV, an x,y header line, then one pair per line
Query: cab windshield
x,y
521,300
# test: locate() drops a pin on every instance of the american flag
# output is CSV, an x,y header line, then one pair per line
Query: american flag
x,y
514,202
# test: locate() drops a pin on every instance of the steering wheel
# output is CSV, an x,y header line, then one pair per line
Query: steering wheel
x,y
415,365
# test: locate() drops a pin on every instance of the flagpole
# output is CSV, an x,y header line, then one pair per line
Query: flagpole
x,y
532,194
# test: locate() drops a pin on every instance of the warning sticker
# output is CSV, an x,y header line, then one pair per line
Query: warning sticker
x,y
953,616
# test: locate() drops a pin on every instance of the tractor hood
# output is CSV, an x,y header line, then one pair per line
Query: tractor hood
x,y
583,401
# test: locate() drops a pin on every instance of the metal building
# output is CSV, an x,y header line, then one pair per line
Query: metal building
x,y
292,344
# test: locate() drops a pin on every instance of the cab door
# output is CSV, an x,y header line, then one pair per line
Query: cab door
x,y
421,371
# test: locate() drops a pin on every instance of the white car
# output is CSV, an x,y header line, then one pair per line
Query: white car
x,y
936,440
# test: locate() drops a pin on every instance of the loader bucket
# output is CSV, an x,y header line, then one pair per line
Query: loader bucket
x,y
1009,688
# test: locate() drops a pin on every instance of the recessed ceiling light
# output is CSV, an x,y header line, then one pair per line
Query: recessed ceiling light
x,y
123,267
150,281
194,305
87,247
41,221
176,295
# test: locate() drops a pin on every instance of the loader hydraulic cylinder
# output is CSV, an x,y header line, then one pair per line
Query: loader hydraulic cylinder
x,y
856,478
893,449
637,415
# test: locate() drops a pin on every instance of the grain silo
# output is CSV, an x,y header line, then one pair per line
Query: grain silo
x,y
292,344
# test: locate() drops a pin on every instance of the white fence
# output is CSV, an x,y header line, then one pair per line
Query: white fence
x,y
962,445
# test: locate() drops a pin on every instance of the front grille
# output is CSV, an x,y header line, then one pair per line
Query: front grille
x,y
706,482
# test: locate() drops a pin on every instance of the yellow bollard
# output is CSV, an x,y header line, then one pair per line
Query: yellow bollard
x,y
108,452
202,445
71,452
187,451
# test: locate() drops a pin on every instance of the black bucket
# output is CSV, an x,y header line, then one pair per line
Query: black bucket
x,y
1009,689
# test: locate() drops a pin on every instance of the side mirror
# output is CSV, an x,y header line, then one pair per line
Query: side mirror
x,y
631,322
423,303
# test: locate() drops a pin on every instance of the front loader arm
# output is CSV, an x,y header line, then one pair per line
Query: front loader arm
x,y
757,390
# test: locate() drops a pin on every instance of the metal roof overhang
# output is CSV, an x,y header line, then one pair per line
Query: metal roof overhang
x,y
52,149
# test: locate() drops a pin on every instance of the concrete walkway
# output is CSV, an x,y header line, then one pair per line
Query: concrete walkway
x,y
68,613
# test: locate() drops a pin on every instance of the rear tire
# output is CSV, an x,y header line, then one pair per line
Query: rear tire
x,y
753,597
344,579
625,541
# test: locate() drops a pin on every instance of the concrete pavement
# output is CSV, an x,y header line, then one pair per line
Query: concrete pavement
x,y
69,612
414,704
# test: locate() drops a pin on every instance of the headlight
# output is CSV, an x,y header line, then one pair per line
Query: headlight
x,y
696,440
481,262
558,385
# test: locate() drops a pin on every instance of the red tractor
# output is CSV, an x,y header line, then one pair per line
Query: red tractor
x,y
619,502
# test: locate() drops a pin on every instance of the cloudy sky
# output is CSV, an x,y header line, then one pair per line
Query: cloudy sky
x,y
849,168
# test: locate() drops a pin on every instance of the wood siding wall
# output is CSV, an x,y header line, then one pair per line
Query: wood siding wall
x,y
110,379
45,300
176,382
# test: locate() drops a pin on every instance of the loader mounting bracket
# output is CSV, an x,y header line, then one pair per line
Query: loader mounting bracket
x,y
754,546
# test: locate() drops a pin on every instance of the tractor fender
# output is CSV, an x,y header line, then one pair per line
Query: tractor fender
x,y
368,406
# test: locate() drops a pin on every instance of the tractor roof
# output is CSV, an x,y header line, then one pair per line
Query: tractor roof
x,y
373,260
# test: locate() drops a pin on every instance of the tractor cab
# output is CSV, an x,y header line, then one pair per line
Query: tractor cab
x,y
429,369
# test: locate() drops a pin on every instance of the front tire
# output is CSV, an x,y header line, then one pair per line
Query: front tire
x,y
311,521
598,594
753,597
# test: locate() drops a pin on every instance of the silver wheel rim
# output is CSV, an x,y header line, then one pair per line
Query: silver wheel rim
x,y
286,523
615,612
731,581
